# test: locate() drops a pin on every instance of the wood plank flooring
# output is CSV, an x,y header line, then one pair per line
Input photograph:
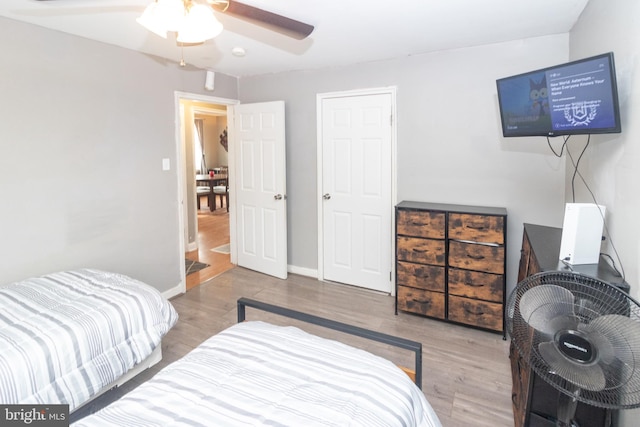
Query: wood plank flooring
x,y
466,374
213,231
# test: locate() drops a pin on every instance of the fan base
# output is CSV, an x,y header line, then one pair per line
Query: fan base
x,y
566,411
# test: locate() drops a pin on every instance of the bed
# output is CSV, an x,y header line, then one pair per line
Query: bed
x,y
256,373
67,337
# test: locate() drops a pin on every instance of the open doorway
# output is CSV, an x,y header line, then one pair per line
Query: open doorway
x,y
212,257
203,126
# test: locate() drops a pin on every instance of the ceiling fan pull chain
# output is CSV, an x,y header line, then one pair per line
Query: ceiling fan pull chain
x,y
182,63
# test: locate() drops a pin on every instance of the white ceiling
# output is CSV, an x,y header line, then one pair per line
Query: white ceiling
x,y
346,31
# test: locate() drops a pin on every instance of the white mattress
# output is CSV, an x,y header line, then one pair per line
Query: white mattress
x,y
258,374
66,336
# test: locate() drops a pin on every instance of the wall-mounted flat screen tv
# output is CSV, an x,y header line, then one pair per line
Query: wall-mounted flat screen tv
x,y
579,97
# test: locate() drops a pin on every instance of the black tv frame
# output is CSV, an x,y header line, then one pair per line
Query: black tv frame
x,y
617,128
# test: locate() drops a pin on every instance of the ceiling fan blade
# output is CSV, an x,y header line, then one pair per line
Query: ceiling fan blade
x,y
589,376
546,308
282,24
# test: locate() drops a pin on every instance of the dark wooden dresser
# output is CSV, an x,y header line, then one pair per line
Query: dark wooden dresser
x,y
451,263
535,401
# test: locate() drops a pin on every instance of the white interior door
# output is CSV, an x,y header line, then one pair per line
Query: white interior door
x,y
260,188
356,140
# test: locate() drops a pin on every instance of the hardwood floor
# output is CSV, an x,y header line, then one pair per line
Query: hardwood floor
x,y
213,231
466,373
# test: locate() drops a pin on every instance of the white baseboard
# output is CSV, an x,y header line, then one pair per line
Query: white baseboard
x,y
176,290
193,246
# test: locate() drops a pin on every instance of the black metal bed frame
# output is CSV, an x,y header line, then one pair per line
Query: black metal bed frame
x,y
414,346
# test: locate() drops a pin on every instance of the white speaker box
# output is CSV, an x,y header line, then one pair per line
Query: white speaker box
x,y
582,233
209,80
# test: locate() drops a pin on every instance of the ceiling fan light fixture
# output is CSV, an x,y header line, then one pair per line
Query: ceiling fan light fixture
x,y
194,22
199,25
171,13
151,21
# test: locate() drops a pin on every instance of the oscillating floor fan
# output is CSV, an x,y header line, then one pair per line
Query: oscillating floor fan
x,y
580,335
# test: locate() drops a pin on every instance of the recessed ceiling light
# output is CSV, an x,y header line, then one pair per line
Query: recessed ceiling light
x,y
238,51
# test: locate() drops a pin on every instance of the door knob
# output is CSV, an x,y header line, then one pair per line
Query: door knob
x,y
278,197
326,196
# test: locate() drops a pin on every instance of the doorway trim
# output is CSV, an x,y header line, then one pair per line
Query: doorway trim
x,y
391,90
181,174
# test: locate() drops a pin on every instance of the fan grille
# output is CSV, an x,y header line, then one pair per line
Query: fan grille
x,y
548,307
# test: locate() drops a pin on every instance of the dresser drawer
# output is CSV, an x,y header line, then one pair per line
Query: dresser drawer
x,y
421,224
476,228
427,251
421,276
419,301
473,284
475,312
477,257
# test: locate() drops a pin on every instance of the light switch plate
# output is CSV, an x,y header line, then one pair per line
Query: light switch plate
x,y
166,164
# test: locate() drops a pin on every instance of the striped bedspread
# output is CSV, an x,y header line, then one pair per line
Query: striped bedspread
x,y
65,336
258,374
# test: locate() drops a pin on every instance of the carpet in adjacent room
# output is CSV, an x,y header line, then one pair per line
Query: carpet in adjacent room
x,y
224,249
194,266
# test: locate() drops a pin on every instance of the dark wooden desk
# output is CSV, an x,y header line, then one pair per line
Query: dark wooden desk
x,y
535,401
544,243
211,181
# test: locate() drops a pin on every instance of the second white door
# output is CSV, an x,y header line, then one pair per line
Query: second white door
x,y
260,187
356,145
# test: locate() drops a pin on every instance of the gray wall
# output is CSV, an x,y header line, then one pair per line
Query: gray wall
x,y
611,161
450,147
216,154
610,165
85,127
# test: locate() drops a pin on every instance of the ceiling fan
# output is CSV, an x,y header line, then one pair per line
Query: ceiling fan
x,y
272,21
287,26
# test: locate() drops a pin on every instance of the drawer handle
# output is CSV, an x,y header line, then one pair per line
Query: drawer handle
x,y
421,251
421,301
479,313
421,274
476,227
473,285
419,224
476,257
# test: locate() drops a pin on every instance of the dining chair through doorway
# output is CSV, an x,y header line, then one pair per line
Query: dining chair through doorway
x,y
222,192
202,191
